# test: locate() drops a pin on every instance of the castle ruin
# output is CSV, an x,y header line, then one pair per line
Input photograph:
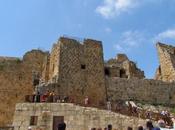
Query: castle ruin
x,y
78,69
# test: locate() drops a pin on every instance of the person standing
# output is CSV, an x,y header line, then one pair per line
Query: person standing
x,y
109,105
109,127
29,128
86,101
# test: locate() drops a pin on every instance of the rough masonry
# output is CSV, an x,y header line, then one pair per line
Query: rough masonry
x,y
16,81
75,117
78,69
166,70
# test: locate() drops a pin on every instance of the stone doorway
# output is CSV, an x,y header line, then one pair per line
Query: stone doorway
x,y
56,121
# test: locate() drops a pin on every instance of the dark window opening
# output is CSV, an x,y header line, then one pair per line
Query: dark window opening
x,y
122,73
33,120
107,72
83,66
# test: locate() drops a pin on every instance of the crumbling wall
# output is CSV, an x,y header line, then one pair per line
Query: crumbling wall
x,y
167,62
122,67
141,90
16,81
158,75
54,62
46,68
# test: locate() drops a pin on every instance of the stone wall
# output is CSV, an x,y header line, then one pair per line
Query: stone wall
x,y
16,81
78,68
45,68
141,90
54,61
75,117
167,62
122,67
81,69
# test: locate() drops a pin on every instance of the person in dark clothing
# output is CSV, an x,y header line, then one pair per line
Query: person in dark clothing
x,y
140,128
62,126
129,128
109,127
149,125
66,99
38,97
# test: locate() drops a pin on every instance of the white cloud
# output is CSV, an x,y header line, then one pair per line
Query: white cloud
x,y
118,47
167,34
111,8
129,40
108,30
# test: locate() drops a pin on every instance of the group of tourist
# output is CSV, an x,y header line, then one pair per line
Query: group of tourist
x,y
149,126
109,127
48,96
130,109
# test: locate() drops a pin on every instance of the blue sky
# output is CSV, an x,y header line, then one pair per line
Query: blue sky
x,y
124,26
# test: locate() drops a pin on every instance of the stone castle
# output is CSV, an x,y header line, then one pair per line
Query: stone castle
x,y
78,69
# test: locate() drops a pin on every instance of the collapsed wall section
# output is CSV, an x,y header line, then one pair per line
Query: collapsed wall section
x,y
122,67
166,71
54,62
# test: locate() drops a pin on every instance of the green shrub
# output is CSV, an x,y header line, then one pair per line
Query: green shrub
x,y
18,61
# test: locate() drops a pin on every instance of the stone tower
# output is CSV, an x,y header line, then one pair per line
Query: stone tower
x,y
77,68
166,70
